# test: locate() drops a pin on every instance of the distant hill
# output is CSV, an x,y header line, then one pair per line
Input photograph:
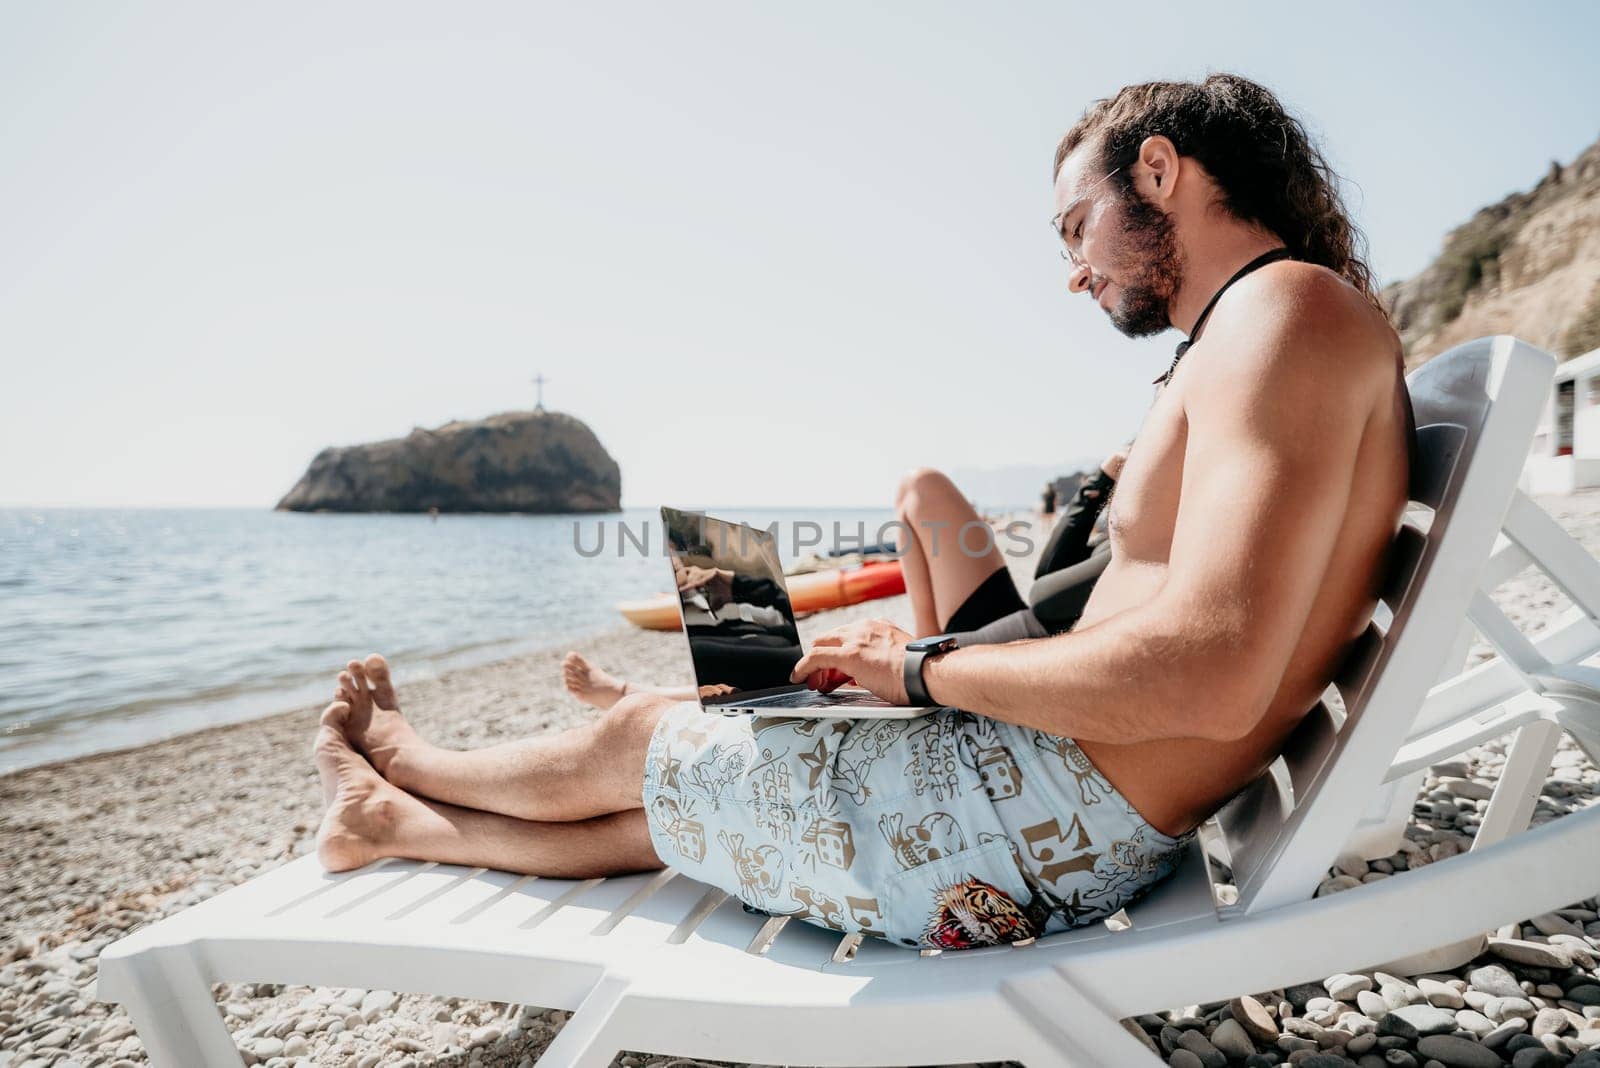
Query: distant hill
x,y
1529,266
537,462
996,489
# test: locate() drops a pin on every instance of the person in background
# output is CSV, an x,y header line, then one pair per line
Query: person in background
x,y
1069,541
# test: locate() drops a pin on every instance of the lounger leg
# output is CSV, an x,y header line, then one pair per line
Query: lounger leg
x,y
1063,1027
1510,809
1527,764
590,1038
176,1017
1588,741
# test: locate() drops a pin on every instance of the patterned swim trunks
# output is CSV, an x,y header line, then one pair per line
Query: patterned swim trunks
x,y
949,830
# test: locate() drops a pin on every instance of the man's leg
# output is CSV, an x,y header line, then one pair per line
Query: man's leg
x,y
368,818
587,771
941,568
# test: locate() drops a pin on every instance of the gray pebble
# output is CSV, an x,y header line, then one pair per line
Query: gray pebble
x,y
1537,1057
1501,1009
1504,1033
1440,994
378,1002
1549,1022
1201,1047
1360,1044
1414,1021
1458,1052
1536,954
1232,1040
1494,980
1345,987
1372,1004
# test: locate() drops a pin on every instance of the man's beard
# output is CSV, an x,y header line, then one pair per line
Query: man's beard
x,y
1150,246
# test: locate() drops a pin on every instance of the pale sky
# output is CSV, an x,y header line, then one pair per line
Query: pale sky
x,y
774,254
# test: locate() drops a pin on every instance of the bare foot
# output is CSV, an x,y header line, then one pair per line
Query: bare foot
x,y
382,685
375,727
589,684
362,809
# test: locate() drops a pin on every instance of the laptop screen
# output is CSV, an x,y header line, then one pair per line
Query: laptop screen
x,y
736,610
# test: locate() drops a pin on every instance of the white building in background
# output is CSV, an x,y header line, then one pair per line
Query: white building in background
x,y
1566,450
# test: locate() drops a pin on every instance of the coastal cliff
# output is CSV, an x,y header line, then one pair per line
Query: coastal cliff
x,y
538,462
1528,265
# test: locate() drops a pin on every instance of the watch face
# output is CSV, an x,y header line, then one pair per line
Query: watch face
x,y
936,643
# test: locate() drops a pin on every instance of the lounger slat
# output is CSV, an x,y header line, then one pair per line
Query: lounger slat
x,y
540,907
666,909
709,902
362,887
648,885
493,911
1251,823
1443,444
411,900
1354,674
728,926
802,944
1308,747
1182,898
454,893
582,905
1405,556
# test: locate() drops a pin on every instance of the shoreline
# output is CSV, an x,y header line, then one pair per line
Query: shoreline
x,y
267,701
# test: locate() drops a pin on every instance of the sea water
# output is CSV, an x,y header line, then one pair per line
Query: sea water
x,y
119,627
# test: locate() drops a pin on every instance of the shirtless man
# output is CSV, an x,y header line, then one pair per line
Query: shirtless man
x,y
1249,532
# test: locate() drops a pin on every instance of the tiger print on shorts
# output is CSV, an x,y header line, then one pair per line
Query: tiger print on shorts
x,y
974,913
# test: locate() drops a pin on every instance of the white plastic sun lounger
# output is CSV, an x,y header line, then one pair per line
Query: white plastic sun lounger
x,y
659,962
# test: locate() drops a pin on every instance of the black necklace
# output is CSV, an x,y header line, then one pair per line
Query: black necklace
x,y
1194,335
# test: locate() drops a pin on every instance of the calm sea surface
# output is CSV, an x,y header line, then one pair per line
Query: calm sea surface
x,y
123,626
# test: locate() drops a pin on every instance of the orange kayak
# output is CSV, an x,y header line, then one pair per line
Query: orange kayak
x,y
811,592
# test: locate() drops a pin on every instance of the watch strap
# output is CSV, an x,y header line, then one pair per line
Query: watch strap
x,y
916,658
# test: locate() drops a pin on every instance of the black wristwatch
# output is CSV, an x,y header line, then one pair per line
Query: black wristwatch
x,y
917,653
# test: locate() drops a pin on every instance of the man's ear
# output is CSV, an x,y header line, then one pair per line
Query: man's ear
x,y
1157,173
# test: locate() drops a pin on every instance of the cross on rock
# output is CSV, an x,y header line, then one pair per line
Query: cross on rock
x,y
539,381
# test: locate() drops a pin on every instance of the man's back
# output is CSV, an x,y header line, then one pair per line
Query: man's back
x,y
1295,364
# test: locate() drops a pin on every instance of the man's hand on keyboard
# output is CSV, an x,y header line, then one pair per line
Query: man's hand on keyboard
x,y
871,653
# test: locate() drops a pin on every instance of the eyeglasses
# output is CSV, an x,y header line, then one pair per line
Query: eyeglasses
x,y
1058,222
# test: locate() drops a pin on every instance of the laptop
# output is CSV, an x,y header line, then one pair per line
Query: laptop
x,y
736,614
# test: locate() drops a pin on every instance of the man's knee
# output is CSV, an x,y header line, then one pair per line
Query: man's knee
x,y
634,717
921,485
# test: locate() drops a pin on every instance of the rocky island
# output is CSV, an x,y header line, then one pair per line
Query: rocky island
x,y
531,461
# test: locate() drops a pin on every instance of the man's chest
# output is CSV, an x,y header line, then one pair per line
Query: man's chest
x,y
1144,503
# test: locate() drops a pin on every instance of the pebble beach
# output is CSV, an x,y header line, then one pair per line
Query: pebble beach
x,y
95,848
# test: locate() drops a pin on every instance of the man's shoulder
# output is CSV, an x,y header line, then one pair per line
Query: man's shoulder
x,y
1300,324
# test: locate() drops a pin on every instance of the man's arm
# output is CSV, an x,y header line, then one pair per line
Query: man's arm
x,y
1068,543
1275,417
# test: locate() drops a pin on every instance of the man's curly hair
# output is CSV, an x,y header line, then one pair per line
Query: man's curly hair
x,y
1261,158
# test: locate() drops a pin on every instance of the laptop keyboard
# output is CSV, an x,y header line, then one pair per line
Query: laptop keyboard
x,y
813,699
